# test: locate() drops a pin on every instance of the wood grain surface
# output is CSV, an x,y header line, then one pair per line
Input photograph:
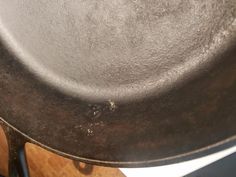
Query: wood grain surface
x,y
43,163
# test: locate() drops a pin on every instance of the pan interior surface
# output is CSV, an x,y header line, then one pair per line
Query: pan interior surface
x,y
127,83
113,50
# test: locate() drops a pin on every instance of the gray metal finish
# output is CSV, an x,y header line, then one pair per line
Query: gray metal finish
x,y
120,83
114,50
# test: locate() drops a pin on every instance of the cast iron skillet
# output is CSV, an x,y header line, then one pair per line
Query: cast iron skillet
x,y
120,82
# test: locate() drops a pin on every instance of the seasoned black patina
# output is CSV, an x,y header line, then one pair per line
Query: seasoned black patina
x,y
120,83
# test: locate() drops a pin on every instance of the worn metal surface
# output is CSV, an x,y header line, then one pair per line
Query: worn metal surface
x,y
120,83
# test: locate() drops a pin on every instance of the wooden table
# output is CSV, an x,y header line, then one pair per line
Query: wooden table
x,y
43,163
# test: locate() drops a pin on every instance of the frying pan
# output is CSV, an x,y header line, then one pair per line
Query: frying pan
x,y
125,83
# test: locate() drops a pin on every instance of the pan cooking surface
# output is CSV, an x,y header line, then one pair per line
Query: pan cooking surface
x,y
126,83
102,50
